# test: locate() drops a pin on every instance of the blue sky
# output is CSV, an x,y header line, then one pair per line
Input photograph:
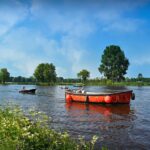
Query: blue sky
x,y
73,34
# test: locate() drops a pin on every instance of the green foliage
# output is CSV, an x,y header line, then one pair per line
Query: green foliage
x,y
46,83
84,74
60,79
105,82
140,77
45,73
109,82
18,132
114,64
4,75
21,79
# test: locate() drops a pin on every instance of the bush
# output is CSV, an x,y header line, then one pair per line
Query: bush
x,y
19,132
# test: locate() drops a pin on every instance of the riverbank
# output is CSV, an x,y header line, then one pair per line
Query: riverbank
x,y
87,83
109,83
17,131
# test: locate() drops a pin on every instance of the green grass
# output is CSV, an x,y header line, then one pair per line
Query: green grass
x,y
19,132
103,82
110,83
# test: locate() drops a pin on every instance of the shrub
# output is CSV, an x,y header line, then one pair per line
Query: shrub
x,y
19,132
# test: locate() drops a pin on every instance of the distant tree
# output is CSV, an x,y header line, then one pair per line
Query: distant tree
x,y
39,72
45,73
71,80
114,64
22,79
31,79
60,79
49,73
84,74
140,77
127,79
4,75
11,79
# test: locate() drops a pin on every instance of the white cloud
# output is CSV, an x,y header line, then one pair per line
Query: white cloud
x,y
82,18
62,71
116,16
61,20
80,21
124,25
20,61
62,32
74,27
10,14
24,51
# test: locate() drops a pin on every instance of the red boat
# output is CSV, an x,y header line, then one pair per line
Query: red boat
x,y
105,97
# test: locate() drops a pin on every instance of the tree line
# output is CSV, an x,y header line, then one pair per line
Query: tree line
x,y
113,67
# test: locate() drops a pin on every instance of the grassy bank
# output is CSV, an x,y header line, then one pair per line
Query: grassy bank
x,y
110,83
87,83
18,132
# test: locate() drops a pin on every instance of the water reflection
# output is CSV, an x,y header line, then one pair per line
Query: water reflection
x,y
100,113
112,123
105,110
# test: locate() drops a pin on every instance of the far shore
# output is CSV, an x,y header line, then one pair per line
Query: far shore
x,y
87,83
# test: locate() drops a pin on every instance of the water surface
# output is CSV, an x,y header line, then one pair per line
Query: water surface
x,y
118,126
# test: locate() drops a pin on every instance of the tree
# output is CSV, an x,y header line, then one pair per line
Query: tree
x,y
140,77
114,64
4,75
60,79
49,73
45,73
84,74
39,72
31,79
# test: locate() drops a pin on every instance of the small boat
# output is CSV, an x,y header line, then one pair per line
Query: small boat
x,y
30,91
103,97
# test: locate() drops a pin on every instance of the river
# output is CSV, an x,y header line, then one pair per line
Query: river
x,y
118,126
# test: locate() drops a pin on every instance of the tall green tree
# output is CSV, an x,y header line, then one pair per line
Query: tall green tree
x,y
114,64
83,74
39,72
49,73
45,72
4,75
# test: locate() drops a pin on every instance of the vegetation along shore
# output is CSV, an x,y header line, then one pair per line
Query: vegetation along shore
x,y
23,132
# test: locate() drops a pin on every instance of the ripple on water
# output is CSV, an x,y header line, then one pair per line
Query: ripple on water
x,y
118,126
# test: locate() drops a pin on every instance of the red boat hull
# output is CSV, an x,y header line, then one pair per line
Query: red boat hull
x,y
109,98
